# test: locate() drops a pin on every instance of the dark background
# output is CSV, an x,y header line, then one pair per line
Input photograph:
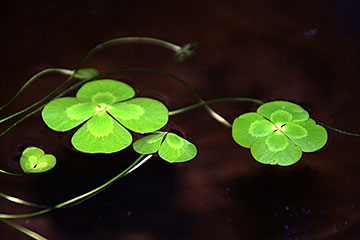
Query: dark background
x,y
305,51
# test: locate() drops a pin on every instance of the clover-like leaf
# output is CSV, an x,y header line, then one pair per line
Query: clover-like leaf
x,y
309,136
278,133
249,127
276,149
283,112
34,160
149,144
141,115
105,91
105,109
172,149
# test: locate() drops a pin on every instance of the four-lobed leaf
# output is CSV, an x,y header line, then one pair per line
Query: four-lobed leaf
x,y
169,146
105,108
34,160
278,133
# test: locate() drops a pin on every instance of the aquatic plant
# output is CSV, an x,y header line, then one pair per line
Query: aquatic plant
x,y
105,109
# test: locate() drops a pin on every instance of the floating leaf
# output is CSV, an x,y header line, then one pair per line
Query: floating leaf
x,y
172,149
34,160
314,139
177,149
283,112
249,127
101,134
63,114
278,133
141,115
149,144
107,108
105,91
276,149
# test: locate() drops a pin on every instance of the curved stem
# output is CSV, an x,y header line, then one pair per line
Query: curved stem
x,y
123,40
137,163
337,130
10,173
24,230
63,71
33,78
212,113
200,104
20,201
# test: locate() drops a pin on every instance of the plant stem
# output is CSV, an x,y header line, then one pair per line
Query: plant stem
x,y
337,130
24,230
212,113
20,201
123,40
33,78
58,70
10,173
185,109
137,163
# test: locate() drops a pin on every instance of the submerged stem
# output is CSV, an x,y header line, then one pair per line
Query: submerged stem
x,y
185,109
63,71
24,230
123,40
212,113
10,173
33,78
338,130
137,163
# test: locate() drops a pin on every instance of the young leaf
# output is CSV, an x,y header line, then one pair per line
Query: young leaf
x,y
86,73
63,114
101,134
276,149
141,115
309,136
34,160
149,144
249,127
177,149
283,112
105,92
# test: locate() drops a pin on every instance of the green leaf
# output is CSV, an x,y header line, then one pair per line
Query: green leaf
x,y
149,144
105,92
141,115
283,112
276,149
177,149
311,141
86,73
34,160
101,134
63,114
249,127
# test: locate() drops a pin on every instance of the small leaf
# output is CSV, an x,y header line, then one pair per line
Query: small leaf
x,y
86,73
149,144
63,114
101,134
177,149
249,127
141,115
289,112
276,149
315,138
34,160
105,92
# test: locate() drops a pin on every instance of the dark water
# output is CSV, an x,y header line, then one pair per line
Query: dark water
x,y
306,52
